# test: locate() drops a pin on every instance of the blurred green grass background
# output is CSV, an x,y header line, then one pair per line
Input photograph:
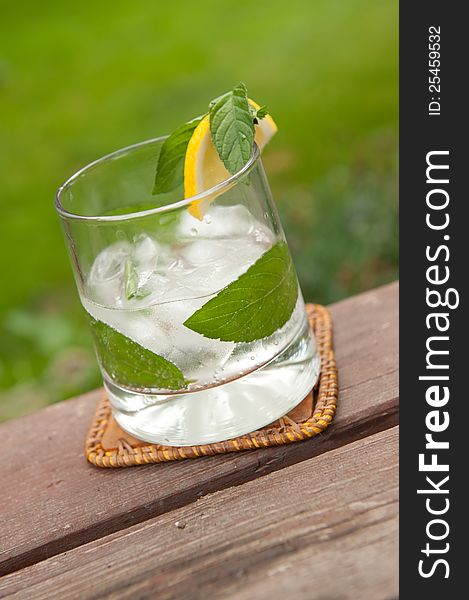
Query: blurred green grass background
x,y
80,80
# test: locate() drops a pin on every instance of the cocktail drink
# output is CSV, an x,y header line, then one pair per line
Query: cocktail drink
x,y
194,306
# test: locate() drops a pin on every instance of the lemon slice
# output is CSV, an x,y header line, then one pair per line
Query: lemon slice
x,y
203,168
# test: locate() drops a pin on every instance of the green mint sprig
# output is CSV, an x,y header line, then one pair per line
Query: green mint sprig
x,y
260,113
232,128
131,285
130,364
170,168
130,279
253,306
232,121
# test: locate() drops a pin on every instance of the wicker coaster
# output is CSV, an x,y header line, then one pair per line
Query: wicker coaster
x,y
107,445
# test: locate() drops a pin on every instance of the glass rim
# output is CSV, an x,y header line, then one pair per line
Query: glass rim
x,y
216,189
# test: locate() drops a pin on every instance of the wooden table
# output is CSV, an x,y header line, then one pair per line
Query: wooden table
x,y
314,520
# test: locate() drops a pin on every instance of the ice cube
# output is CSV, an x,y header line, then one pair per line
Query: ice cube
x,y
217,263
150,262
150,255
224,246
144,259
160,329
224,221
174,282
198,357
107,274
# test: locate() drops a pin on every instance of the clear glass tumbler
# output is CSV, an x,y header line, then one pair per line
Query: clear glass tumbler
x,y
194,306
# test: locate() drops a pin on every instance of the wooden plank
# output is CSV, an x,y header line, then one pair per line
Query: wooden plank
x,y
324,528
52,500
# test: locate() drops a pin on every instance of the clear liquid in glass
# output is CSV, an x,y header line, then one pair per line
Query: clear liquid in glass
x,y
234,388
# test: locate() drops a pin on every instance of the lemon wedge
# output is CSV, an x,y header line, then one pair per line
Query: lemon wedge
x,y
203,168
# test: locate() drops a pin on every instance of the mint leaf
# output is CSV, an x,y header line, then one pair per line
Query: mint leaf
x,y
261,112
255,305
131,285
170,168
130,364
232,128
130,279
258,113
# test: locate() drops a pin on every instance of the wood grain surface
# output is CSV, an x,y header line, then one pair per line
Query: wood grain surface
x,y
52,500
323,528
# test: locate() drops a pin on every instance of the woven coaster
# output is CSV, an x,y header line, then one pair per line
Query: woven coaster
x,y
107,445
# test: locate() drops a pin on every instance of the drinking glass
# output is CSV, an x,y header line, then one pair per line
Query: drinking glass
x,y
194,307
